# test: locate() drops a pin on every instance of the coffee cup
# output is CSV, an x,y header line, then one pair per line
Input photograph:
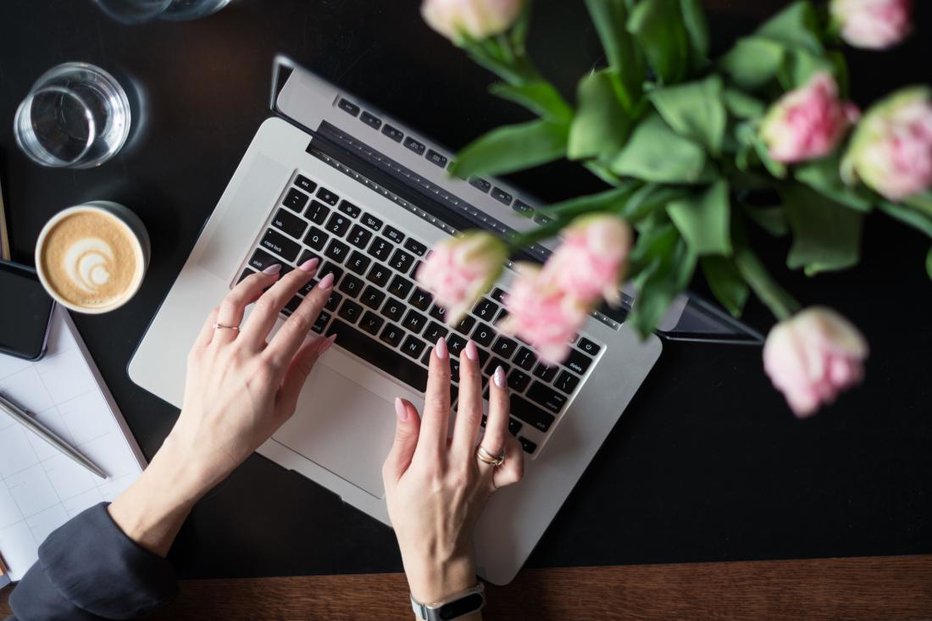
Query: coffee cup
x,y
92,258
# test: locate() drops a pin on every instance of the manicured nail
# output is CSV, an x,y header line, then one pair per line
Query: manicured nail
x,y
328,343
309,265
400,410
499,376
471,352
273,269
440,349
326,283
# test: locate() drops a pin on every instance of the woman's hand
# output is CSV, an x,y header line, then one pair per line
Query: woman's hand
x,y
436,488
241,386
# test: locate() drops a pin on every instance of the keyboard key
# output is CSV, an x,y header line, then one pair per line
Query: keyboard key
x,y
518,380
528,446
371,120
400,287
246,274
280,245
371,221
544,372
358,262
295,200
588,347
359,237
454,370
292,306
531,414
414,321
337,251
456,344
465,324
364,346
393,133
348,106
351,285
401,261
330,268
316,238
317,212
498,295
420,299
522,207
485,310
350,209
415,146
333,301
350,311
289,223
305,184
308,286
514,426
371,323
394,309
542,219
483,335
262,259
494,363
392,334
434,331
525,359
502,196
327,196
438,312
381,248
547,397
338,224
372,297
567,382
394,234
437,158
413,346
417,266
321,322
379,274
577,362
504,347
480,184
416,247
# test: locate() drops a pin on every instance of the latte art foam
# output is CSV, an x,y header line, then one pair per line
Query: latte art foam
x,y
88,262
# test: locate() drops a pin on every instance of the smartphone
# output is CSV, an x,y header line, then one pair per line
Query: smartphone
x,y
25,312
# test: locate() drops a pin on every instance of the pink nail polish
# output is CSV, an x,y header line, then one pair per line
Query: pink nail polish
x,y
471,352
328,343
400,410
309,265
440,349
273,269
326,283
499,377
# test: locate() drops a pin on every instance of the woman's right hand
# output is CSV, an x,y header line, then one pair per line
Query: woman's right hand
x,y
435,487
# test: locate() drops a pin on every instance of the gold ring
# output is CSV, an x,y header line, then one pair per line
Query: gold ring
x,y
218,326
488,458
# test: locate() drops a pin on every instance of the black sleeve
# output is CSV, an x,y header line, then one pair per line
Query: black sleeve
x,y
90,570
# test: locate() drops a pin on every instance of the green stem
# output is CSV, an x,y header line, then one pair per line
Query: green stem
x,y
780,303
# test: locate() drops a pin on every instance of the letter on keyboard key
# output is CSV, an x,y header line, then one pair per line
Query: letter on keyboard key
x,y
531,414
350,311
280,245
401,261
338,224
547,397
392,334
371,323
295,200
413,346
317,213
316,238
567,382
393,363
577,362
290,223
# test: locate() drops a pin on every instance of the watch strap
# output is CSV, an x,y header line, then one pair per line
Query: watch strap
x,y
453,607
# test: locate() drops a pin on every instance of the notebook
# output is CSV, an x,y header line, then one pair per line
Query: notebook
x,y
41,489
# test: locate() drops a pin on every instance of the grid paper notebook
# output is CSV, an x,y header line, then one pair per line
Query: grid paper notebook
x,y
40,488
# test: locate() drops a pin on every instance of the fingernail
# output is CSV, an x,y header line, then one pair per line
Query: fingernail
x,y
328,343
471,352
440,349
326,283
273,269
309,265
499,376
400,410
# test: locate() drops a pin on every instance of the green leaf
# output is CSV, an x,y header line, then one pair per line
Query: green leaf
x,y
659,29
822,175
753,62
743,106
656,153
602,125
796,26
780,303
612,200
696,28
649,198
907,215
771,219
922,202
799,66
624,56
511,148
665,266
826,235
694,110
775,168
929,263
726,283
703,220
539,97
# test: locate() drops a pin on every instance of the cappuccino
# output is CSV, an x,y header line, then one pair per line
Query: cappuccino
x,y
90,259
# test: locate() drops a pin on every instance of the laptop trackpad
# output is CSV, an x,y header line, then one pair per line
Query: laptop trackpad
x,y
342,427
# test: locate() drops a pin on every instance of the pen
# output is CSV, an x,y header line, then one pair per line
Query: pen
x,y
22,417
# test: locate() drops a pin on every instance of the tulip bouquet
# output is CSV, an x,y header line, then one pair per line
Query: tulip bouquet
x,y
695,151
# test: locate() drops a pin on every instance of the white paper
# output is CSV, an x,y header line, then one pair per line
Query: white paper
x,y
40,488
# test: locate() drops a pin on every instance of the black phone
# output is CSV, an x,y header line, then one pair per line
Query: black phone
x,y
25,312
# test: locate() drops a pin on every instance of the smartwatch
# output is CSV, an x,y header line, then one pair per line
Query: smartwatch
x,y
456,606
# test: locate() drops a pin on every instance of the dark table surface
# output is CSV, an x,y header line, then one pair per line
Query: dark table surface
x,y
707,464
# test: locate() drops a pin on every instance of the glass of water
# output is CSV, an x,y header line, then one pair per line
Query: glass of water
x,y
75,116
139,11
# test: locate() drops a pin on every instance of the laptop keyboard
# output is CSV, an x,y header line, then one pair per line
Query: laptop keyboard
x,y
380,314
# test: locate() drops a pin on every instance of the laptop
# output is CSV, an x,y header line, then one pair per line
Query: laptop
x,y
330,176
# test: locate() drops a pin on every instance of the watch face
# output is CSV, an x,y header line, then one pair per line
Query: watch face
x,y
460,607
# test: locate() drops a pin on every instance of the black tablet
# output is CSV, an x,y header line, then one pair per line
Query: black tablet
x,y
25,312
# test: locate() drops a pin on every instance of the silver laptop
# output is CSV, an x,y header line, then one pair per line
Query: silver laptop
x,y
330,176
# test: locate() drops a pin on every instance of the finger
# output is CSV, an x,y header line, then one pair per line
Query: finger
x,y
234,304
256,330
284,345
512,469
496,427
207,330
469,410
407,432
300,368
435,421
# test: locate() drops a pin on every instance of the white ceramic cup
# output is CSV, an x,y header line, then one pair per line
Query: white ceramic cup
x,y
123,217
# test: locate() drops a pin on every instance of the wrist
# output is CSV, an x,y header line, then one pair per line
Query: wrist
x,y
433,580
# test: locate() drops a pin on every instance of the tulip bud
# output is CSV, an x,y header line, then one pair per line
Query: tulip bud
x,y
872,24
476,19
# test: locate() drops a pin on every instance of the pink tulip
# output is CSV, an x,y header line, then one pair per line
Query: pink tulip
x,y
873,24
460,269
807,123
476,19
814,356
892,148
542,313
591,262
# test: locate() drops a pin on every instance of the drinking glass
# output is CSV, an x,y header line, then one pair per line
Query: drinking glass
x,y
75,116
139,11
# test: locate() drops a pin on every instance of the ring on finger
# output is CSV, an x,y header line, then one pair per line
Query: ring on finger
x,y
483,455
220,326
